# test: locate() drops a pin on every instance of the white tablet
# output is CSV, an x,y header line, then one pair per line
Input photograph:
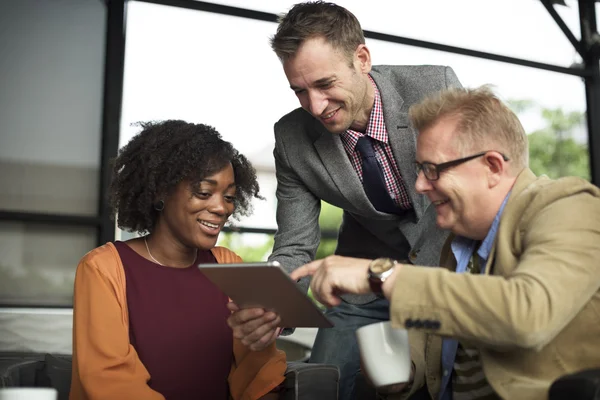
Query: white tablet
x,y
266,285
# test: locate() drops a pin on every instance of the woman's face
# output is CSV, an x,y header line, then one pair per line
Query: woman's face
x,y
195,214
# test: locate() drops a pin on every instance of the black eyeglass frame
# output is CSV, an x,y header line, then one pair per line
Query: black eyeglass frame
x,y
439,168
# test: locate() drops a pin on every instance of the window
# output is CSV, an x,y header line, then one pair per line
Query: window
x,y
50,125
550,105
38,262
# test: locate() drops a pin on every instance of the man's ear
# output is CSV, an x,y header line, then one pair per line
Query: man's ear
x,y
362,55
496,167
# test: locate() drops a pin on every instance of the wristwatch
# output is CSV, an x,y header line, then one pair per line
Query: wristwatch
x,y
379,270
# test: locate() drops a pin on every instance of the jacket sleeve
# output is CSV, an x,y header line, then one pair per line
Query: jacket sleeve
x,y
253,373
105,365
556,276
298,234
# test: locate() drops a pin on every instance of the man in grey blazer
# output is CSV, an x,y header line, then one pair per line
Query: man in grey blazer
x,y
317,156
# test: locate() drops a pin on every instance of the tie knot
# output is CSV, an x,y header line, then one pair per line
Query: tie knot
x,y
365,146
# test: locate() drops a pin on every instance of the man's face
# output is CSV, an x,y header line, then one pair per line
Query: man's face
x,y
328,87
461,194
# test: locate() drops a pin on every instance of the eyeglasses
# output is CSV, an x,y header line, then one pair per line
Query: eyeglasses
x,y
432,171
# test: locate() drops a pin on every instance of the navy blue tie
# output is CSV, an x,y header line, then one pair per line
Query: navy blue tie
x,y
373,180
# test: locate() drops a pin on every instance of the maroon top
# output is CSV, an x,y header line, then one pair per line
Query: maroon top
x,y
178,326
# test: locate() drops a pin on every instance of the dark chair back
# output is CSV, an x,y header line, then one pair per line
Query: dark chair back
x,y
36,370
584,385
302,381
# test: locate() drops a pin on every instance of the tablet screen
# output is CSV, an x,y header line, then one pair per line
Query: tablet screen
x,y
266,285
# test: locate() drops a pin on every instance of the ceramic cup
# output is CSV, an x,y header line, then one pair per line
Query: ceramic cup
x,y
385,353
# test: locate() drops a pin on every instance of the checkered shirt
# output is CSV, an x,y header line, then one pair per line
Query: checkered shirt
x,y
383,151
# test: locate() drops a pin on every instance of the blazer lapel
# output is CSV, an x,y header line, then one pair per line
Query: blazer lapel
x,y
336,162
508,220
401,135
447,259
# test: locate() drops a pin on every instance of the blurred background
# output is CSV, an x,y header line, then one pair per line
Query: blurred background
x,y
76,75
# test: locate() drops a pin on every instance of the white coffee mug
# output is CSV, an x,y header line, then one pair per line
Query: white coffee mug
x,y
22,393
385,353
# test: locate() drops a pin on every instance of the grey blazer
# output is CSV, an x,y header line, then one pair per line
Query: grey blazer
x,y
312,165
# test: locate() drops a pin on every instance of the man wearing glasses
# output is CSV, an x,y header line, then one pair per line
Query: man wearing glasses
x,y
516,302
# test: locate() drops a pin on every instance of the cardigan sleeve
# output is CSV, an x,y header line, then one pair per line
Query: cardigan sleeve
x,y
253,373
105,365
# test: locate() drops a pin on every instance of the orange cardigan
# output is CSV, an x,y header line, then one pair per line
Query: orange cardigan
x,y
105,364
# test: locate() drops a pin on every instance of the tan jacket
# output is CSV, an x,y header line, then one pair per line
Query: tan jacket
x,y
105,364
535,315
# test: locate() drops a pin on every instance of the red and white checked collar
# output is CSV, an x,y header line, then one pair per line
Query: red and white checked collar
x,y
375,127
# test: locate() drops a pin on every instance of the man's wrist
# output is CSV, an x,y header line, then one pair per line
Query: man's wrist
x,y
388,285
379,270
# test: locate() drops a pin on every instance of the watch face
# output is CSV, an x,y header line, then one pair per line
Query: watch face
x,y
381,265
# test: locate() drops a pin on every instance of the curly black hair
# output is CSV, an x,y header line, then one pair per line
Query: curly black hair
x,y
161,156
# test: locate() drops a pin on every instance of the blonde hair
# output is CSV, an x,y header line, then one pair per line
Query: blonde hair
x,y
483,121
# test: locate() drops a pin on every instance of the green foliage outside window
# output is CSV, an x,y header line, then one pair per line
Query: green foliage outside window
x,y
248,252
329,221
555,149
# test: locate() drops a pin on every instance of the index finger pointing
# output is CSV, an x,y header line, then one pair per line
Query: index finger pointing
x,y
305,270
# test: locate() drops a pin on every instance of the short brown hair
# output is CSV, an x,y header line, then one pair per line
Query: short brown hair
x,y
483,121
338,26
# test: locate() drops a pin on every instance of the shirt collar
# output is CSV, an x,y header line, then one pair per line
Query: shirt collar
x,y
462,247
376,125
488,242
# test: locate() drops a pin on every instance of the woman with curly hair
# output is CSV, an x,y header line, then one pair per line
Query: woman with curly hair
x,y
147,324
